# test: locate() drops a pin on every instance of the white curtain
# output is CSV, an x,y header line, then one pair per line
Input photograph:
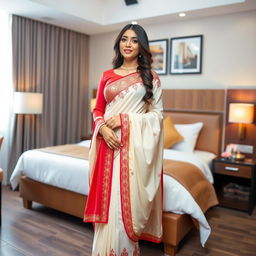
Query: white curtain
x,y
6,89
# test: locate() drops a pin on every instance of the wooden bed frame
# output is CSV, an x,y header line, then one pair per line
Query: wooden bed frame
x,y
175,226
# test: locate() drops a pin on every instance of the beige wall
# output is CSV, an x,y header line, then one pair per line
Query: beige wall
x,y
229,51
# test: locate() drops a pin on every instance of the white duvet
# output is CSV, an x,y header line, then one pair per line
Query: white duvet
x,y
72,174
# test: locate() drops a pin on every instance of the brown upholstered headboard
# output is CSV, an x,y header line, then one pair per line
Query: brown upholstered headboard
x,y
210,136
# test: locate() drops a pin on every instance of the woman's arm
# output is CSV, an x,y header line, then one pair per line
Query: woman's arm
x,y
100,106
98,117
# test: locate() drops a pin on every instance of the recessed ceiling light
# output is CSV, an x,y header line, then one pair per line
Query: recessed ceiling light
x,y
182,14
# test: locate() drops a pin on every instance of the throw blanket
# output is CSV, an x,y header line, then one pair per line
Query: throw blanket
x,y
196,183
72,150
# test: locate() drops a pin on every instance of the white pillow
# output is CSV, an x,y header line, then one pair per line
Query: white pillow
x,y
190,133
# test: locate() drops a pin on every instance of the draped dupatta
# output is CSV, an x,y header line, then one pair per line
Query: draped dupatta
x,y
141,156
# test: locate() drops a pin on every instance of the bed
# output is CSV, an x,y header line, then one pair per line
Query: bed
x,y
43,186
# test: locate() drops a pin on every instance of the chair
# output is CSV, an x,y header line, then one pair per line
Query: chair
x,y
1,179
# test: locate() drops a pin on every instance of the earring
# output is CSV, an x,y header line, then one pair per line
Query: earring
x,y
140,56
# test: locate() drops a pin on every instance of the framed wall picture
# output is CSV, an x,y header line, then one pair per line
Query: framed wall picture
x,y
159,50
186,55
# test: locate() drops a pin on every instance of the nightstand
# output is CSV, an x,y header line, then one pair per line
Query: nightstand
x,y
235,183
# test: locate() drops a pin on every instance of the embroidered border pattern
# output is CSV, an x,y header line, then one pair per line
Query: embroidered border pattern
x,y
151,238
124,179
124,252
103,217
107,181
120,86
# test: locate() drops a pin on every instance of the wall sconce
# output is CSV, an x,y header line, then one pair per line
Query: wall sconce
x,y
243,114
92,104
28,103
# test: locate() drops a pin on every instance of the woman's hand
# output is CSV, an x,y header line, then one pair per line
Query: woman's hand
x,y
110,137
113,122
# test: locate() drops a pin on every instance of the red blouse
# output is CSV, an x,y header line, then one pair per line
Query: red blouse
x,y
107,77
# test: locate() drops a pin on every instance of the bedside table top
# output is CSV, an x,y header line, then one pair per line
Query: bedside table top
x,y
247,161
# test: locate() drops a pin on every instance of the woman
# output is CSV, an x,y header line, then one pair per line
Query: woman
x,y
125,199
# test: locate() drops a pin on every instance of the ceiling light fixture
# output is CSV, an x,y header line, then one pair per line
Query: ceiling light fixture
x,y
182,14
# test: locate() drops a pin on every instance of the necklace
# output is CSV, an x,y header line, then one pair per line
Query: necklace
x,y
128,68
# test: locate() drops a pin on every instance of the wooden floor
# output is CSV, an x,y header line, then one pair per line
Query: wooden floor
x,y
45,232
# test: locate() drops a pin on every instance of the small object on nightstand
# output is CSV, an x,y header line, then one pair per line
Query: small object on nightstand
x,y
238,156
225,155
235,183
232,153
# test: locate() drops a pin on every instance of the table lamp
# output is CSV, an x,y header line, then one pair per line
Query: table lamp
x,y
242,114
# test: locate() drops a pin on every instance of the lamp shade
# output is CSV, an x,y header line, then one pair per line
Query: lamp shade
x,y
241,113
28,103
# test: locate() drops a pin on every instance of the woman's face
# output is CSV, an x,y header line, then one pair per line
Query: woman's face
x,y
129,46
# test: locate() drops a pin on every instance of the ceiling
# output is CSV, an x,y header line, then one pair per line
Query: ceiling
x,y
100,16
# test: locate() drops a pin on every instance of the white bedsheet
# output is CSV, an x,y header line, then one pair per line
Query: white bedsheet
x,y
72,174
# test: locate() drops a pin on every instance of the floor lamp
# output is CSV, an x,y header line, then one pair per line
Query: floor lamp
x,y
27,103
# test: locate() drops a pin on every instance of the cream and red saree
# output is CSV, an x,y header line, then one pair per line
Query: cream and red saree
x,y
125,199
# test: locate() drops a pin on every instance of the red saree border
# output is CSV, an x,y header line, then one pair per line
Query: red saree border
x,y
119,77
104,169
124,179
136,252
151,238
120,86
107,183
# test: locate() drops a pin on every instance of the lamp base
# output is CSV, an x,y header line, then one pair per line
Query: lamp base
x,y
238,156
242,131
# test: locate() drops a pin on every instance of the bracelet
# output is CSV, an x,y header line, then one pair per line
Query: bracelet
x,y
102,126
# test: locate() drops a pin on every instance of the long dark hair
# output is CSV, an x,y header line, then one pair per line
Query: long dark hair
x,y
144,58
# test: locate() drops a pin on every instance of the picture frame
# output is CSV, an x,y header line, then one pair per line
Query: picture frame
x,y
159,51
186,55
